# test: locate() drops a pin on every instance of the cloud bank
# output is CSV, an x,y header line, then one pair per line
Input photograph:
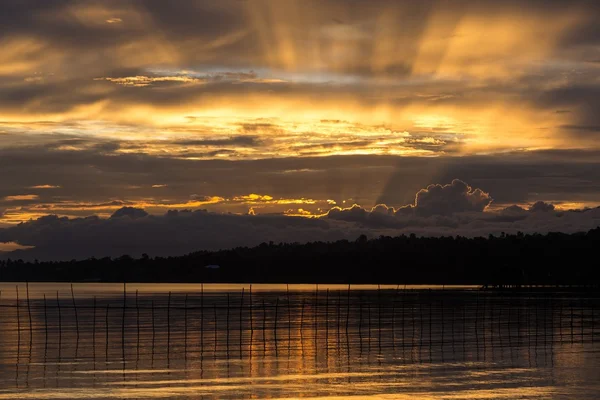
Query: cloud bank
x,y
438,210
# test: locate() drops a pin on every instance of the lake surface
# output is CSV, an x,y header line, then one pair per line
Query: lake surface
x,y
328,342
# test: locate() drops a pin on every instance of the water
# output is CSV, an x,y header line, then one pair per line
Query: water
x,y
363,343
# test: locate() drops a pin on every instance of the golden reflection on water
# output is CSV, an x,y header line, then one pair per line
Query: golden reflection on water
x,y
362,344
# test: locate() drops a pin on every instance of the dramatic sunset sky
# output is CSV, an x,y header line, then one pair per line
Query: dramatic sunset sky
x,y
278,116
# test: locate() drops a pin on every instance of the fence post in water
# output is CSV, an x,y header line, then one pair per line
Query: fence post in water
x,y
18,318
420,326
452,326
153,326
93,325
464,328
106,338
302,325
227,326
360,307
339,317
581,318
560,312
201,318
348,309
75,311
592,311
215,315
29,313
403,309
537,320
316,312
412,323
59,321
519,321
477,323
168,324
275,323
370,321
185,325
443,320
251,320
45,322
571,322
551,321
264,326
394,316
379,317
241,320
430,301
123,320
326,318
137,315
289,313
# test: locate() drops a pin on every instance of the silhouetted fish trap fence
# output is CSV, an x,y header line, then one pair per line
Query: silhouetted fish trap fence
x,y
416,324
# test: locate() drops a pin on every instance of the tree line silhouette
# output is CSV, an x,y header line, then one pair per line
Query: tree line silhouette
x,y
505,260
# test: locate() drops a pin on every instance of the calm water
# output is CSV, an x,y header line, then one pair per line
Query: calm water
x,y
365,343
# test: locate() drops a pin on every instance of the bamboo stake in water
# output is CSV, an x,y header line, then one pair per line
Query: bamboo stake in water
x,y
379,317
106,338
289,316
360,307
18,319
442,318
137,315
369,321
275,324
264,326
338,317
477,323
169,324
348,309
185,325
251,320
412,323
215,316
123,320
59,322
153,326
201,318
29,313
394,316
75,311
93,326
592,311
302,324
45,322
316,311
241,320
402,313
227,326
326,318
572,322
560,312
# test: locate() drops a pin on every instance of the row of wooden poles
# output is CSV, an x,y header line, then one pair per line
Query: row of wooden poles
x,y
342,321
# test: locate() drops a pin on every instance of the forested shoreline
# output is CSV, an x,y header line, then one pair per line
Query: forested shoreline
x,y
521,259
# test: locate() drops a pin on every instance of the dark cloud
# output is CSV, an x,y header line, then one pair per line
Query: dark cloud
x,y
449,199
130,212
176,232
540,206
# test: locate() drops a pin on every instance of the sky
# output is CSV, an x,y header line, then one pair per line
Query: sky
x,y
294,115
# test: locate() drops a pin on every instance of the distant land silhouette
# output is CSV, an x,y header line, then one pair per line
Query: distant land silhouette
x,y
511,260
